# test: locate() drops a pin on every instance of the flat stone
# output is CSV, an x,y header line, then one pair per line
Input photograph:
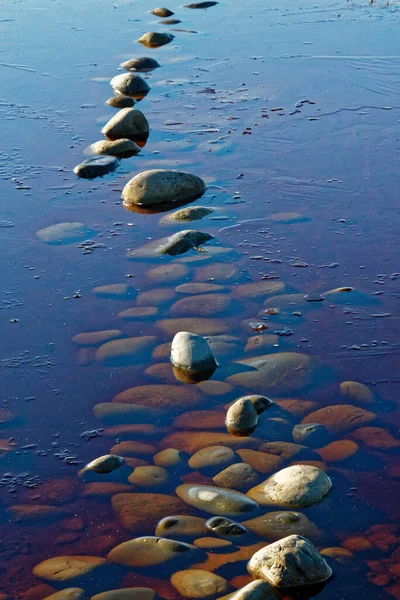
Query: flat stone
x,y
198,583
155,39
37,514
191,352
59,490
181,526
170,21
67,568
338,451
164,397
283,372
215,388
96,338
358,392
276,525
122,148
134,430
156,297
126,351
201,305
226,528
188,441
115,291
217,501
212,459
138,313
120,101
172,458
134,593
96,166
376,437
239,476
296,407
37,592
160,186
256,590
260,461
211,544
68,594
134,448
258,289
311,434
294,487
189,213
63,233
241,418
287,450
113,413
201,419
199,288
162,12
161,372
150,477
290,562
149,551
139,513
168,273
217,273
143,64
341,555
340,418
196,325
129,84
127,123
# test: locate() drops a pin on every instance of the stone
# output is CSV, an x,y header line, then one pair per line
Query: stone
x,y
290,562
168,273
377,438
126,351
258,289
115,291
129,84
340,418
287,450
149,477
260,403
239,476
338,451
212,459
183,241
196,325
166,397
122,148
37,514
256,343
296,407
276,525
260,461
96,338
59,490
224,346
149,551
312,434
211,544
201,305
206,4
161,372
113,413
96,166
181,526
160,186
171,458
143,64
217,501
139,513
155,297
350,296
190,442
68,594
104,464
104,489
201,419
189,213
226,528
66,568
134,430
241,418
283,372
139,312
134,593
215,389
162,12
341,555
198,584
127,123
155,39
37,592
256,590
133,448
199,288
120,101
217,273
294,487
63,233
170,21
191,352
358,392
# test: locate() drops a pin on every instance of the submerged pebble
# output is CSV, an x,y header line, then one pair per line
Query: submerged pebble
x,y
94,338
96,166
150,551
199,584
63,233
239,476
212,459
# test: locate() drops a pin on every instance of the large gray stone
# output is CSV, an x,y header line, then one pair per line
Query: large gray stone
x,y
217,501
191,352
96,166
129,84
241,418
256,590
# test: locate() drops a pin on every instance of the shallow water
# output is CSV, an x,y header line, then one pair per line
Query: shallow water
x,y
329,154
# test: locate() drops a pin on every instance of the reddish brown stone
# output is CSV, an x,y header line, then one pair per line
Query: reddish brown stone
x,y
191,441
261,461
57,491
134,449
376,437
340,418
201,419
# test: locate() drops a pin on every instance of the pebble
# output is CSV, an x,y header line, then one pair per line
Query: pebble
x,y
155,39
191,352
167,397
189,442
199,288
142,64
297,408
168,273
260,461
338,451
134,593
68,594
294,487
139,513
376,437
256,590
149,477
129,84
258,289
149,551
218,272
104,464
198,584
181,526
239,476
126,351
67,568
63,233
59,490
172,458
340,418
96,166
216,501
161,186
241,418
137,313
127,123
201,419
161,12
276,525
190,213
155,297
212,459
122,148
201,305
134,449
210,544
121,101
96,338
201,326
114,413
226,528
115,291
312,434
358,392
290,562
170,22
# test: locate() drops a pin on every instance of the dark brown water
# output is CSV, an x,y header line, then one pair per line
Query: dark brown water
x,y
329,155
